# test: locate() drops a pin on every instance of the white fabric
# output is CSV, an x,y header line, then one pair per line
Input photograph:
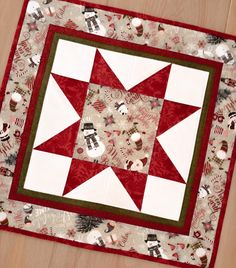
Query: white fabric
x,y
131,70
47,173
104,188
163,198
74,60
57,113
179,142
186,85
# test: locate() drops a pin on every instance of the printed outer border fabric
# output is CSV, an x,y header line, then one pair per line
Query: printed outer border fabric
x,y
15,194
184,262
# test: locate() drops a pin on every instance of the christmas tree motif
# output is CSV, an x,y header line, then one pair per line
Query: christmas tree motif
x,y
11,159
223,95
85,224
214,40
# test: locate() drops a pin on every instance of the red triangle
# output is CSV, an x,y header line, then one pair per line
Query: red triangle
x,y
172,113
154,85
161,166
74,90
134,183
62,143
103,75
81,171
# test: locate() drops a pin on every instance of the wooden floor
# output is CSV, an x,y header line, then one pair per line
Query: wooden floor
x,y
17,251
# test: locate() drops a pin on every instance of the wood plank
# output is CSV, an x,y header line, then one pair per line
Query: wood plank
x,y
206,13
64,256
226,254
8,21
23,251
231,22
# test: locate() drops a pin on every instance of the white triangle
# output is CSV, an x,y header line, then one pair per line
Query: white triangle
x,y
179,142
131,70
57,113
104,188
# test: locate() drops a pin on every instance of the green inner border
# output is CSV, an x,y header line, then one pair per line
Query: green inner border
x,y
95,206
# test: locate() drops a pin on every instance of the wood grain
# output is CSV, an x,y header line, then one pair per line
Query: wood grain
x,y
26,252
231,20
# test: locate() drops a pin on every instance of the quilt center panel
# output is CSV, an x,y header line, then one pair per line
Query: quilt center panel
x,y
118,128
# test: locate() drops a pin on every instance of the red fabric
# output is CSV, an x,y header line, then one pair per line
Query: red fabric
x,y
63,143
172,113
72,88
161,165
103,75
15,181
81,171
154,85
181,229
134,183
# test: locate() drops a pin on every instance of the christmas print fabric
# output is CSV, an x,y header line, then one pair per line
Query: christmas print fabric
x,y
117,134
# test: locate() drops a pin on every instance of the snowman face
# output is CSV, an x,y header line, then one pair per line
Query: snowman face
x,y
32,7
222,50
202,193
36,59
88,15
88,132
123,110
137,165
152,243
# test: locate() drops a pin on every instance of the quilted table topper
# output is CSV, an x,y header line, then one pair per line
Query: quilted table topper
x,y
117,132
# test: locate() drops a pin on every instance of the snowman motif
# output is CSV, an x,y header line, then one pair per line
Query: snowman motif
x,y
154,246
223,53
95,148
121,108
4,131
204,191
95,238
232,121
3,219
35,12
92,21
34,61
3,215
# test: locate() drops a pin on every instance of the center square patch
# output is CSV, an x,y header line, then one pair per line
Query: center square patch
x,y
117,130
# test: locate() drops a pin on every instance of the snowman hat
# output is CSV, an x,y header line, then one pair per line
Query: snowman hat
x,y
232,114
88,126
118,105
151,237
89,9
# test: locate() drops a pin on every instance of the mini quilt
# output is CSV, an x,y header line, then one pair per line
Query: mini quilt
x,y
117,132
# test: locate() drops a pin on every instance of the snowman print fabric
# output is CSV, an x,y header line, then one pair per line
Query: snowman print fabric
x,y
117,132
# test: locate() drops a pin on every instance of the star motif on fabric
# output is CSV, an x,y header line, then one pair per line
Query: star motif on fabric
x,y
154,103
32,26
207,226
109,120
